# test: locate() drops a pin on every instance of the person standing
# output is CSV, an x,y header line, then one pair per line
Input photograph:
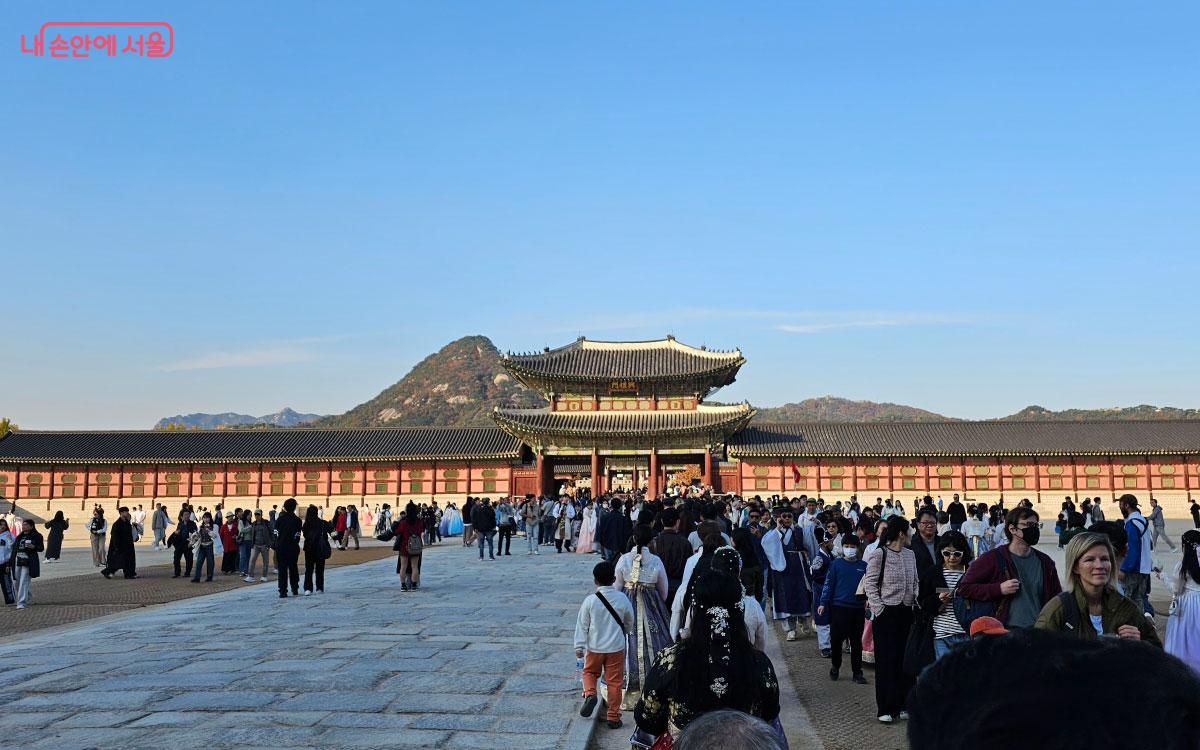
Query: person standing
x,y
1134,573
97,532
25,559
791,597
245,543
935,595
1158,525
317,549
203,543
507,524
847,613
1183,624
8,546
158,524
138,519
407,532
673,549
57,526
890,583
1017,577
121,555
287,548
483,521
468,518
957,513
181,542
563,513
229,545
924,544
587,530
531,513
261,546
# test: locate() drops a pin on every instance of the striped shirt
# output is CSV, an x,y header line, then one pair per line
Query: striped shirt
x,y
946,624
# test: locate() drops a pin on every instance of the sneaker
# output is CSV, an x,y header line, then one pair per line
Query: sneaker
x,y
903,716
826,653
320,591
833,675
615,724
791,635
262,579
492,558
886,719
282,594
307,592
106,574
589,705
20,606
175,576
248,579
536,552
416,587
530,552
858,679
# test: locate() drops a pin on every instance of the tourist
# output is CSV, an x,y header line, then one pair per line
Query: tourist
x,y
229,545
121,554
1074,526
506,524
1134,572
957,514
585,544
1091,607
245,541
1019,579
352,528
204,542
1097,512
406,535
1183,624
708,513
288,533
138,520
1022,690
723,730
546,529
453,520
8,545
681,605
818,569
260,546
727,560
924,544
468,514
317,549
747,540
57,526
483,523
429,521
975,529
383,519
643,579
159,521
531,513
791,591
180,541
601,629
935,595
563,513
1158,526
672,549
1195,510
890,584
613,531
841,603
97,531
715,667
26,565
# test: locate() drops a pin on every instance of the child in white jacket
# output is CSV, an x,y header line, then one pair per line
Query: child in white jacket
x,y
605,618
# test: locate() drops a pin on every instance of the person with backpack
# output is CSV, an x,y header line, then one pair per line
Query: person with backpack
x,y
1091,607
1012,582
1134,573
605,618
317,549
407,534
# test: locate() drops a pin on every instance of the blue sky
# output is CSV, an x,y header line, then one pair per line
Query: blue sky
x,y
967,207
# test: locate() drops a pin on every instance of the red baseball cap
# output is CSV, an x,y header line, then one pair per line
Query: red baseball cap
x,y
987,626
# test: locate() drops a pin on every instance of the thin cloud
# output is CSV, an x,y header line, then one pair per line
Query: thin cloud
x,y
249,358
869,321
820,327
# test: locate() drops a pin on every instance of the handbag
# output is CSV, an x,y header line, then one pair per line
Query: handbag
x,y
967,610
918,649
326,548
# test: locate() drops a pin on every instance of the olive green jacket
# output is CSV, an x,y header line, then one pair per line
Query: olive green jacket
x,y
1115,611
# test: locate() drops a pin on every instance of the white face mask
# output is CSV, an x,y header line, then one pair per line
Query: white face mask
x,y
849,552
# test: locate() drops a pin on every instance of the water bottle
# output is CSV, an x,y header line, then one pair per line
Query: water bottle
x,y
579,671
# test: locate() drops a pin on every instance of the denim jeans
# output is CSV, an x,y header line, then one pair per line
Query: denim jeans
x,y
204,553
532,540
244,550
486,535
23,584
942,646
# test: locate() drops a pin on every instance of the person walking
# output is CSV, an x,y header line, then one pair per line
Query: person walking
x,y
407,534
287,548
261,547
846,611
483,522
1158,525
468,519
506,521
1016,576
352,528
159,522
641,576
890,584
8,546
181,542
531,513
25,561
97,532
121,555
57,526
601,630
935,595
1134,573
203,542
245,539
317,549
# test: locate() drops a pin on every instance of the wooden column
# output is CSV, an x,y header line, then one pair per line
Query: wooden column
x,y
962,464
652,486
1037,480
595,473
1149,479
1112,481
541,475
260,473
1187,482
708,466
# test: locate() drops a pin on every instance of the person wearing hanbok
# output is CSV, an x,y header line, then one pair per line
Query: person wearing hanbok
x,y
453,521
643,578
587,530
791,584
1183,622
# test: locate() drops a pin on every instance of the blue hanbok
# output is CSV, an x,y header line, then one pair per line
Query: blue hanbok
x,y
791,581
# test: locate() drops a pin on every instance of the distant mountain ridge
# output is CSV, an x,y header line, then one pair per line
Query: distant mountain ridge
x,y
285,417
459,385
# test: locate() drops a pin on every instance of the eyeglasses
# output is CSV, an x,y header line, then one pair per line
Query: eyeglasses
x,y
951,553
927,523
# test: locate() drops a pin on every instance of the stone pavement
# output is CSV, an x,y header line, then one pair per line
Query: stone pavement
x,y
480,658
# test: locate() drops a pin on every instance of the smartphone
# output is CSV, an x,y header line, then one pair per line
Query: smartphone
x,y
943,590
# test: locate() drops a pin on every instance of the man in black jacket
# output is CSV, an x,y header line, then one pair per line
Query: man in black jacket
x,y
924,542
121,554
957,513
483,518
287,548
181,543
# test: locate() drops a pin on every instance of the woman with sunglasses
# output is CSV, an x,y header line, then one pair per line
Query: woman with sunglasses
x,y
936,594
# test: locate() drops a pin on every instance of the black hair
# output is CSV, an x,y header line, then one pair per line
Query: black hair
x,y
1002,691
896,526
1115,531
694,667
642,534
604,573
290,505
926,510
956,540
1191,563
668,517
310,515
1016,516
1075,520
410,513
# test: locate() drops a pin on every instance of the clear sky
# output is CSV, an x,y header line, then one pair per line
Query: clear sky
x,y
967,207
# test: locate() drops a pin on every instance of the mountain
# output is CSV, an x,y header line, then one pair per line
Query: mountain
x,y
456,387
834,409
285,417
1116,413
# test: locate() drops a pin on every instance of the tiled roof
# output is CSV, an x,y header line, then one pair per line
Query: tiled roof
x,y
627,360
219,446
968,439
640,423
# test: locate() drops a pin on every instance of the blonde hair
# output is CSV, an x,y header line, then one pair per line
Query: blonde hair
x,y
1078,547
